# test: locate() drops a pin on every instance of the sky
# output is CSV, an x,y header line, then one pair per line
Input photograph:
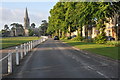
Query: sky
x,y
14,12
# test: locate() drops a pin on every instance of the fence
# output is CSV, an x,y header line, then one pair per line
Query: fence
x,y
20,53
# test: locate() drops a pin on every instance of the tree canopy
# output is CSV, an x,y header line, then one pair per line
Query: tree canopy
x,y
70,16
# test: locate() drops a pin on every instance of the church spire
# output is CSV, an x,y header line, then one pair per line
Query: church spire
x,y
26,23
26,13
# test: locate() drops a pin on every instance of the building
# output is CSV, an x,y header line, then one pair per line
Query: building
x,y
26,23
110,30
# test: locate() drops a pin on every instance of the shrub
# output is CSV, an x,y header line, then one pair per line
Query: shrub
x,y
88,40
100,39
69,37
78,38
115,43
63,38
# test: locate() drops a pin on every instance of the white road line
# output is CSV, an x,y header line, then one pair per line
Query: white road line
x,y
102,74
90,67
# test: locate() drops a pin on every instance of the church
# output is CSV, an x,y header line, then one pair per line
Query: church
x,y
26,24
21,30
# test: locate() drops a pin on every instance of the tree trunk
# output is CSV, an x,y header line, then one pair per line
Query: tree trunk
x,y
69,31
86,32
78,31
81,31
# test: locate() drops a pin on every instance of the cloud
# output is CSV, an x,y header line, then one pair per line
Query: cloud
x,y
17,15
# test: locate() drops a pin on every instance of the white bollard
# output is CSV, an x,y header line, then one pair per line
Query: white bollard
x,y
41,40
35,42
29,46
21,51
32,44
17,56
24,49
10,63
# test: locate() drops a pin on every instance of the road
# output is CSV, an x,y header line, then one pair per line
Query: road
x,y
54,59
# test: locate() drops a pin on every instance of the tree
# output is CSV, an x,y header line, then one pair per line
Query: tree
x,y
33,25
15,26
71,16
43,27
6,27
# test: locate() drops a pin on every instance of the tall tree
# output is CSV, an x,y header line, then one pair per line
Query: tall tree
x,y
6,27
43,27
33,25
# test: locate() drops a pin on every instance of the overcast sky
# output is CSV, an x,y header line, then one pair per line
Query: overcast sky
x,y
13,12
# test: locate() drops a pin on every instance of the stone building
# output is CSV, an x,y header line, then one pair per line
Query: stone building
x,y
26,23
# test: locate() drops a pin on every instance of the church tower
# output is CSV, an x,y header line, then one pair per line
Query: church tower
x,y
26,23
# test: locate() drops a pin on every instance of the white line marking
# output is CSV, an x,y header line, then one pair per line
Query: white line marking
x,y
101,74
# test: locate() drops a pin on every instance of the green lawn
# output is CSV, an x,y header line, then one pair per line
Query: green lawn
x,y
13,41
101,49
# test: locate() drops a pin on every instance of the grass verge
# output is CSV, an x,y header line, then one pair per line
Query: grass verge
x,y
13,41
101,49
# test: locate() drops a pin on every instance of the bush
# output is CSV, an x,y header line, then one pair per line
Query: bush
x,y
115,43
100,39
63,38
88,40
20,35
78,38
69,37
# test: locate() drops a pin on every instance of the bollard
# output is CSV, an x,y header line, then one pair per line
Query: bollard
x,y
40,40
33,44
37,42
29,46
17,56
21,51
10,63
24,49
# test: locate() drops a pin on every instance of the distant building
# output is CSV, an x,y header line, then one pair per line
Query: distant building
x,y
110,30
26,23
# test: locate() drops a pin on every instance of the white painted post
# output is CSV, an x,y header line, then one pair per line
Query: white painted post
x,y
21,51
24,49
32,44
41,40
29,45
17,56
10,63
35,42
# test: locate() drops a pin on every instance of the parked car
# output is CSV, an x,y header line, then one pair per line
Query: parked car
x,y
110,38
73,36
56,38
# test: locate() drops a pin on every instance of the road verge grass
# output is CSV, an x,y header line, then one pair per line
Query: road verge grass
x,y
13,41
101,49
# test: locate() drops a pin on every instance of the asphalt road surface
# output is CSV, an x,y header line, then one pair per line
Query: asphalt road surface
x,y
54,59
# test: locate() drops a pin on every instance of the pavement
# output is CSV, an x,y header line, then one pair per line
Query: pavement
x,y
54,59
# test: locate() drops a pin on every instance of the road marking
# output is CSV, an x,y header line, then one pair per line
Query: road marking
x,y
98,72
90,67
102,74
